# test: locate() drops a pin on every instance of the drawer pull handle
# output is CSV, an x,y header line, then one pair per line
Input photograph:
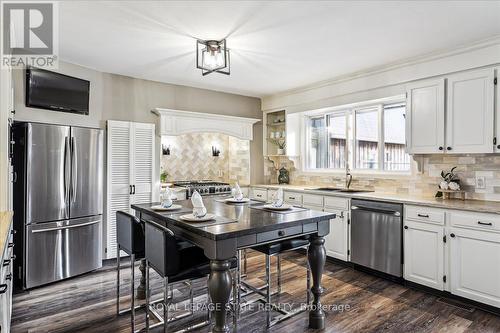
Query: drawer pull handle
x,y
281,233
291,198
452,235
8,277
423,215
484,223
3,288
6,262
11,245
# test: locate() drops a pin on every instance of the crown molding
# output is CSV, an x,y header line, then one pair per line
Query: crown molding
x,y
464,48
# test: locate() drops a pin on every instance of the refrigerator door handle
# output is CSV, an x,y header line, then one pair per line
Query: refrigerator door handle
x,y
65,170
65,227
74,170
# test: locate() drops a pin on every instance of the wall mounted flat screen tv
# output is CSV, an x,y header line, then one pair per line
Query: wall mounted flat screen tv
x,y
57,92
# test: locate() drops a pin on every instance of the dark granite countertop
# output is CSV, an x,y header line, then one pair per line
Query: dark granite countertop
x,y
248,220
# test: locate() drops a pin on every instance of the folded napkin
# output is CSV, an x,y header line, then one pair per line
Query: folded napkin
x,y
237,194
277,200
199,209
166,198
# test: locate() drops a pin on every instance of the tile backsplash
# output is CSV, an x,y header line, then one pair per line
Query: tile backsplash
x,y
191,158
422,182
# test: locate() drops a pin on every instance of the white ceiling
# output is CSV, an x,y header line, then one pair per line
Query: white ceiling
x,y
275,46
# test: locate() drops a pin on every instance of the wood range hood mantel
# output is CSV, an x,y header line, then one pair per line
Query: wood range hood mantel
x,y
177,122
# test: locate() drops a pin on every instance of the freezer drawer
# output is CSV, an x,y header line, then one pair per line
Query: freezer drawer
x,y
58,250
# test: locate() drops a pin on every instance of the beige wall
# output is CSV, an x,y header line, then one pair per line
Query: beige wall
x,y
119,97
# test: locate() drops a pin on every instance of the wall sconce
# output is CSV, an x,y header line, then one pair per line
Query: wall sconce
x,y
165,149
215,151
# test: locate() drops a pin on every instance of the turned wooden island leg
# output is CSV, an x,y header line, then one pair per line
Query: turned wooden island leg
x,y
317,257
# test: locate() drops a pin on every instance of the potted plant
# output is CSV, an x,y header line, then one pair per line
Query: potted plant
x,y
163,176
281,143
450,181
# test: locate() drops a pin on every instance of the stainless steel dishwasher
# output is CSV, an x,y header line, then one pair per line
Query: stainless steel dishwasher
x,y
377,236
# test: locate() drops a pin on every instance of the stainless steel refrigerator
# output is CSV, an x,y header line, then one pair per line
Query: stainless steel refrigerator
x,y
58,189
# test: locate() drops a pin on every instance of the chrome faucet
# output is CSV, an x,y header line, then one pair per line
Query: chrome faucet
x,y
348,177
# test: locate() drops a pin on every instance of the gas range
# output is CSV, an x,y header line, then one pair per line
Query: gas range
x,y
204,187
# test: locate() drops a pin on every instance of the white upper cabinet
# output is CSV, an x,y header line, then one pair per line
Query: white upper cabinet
x,y
425,117
470,112
497,111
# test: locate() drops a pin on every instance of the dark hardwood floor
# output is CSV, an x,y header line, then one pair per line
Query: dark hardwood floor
x,y
358,303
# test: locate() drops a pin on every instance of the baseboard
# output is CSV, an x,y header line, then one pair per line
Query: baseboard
x,y
446,294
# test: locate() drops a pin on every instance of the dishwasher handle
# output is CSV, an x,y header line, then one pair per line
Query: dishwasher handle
x,y
377,210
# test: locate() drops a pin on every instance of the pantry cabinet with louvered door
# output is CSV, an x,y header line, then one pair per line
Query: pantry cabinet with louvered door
x,y
130,172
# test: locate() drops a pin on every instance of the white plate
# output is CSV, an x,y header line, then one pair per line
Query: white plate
x,y
233,200
160,208
284,207
191,218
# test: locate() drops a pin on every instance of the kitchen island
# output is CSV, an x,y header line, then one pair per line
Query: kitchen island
x,y
243,226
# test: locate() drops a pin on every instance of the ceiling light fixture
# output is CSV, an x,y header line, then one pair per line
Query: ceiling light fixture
x,y
212,56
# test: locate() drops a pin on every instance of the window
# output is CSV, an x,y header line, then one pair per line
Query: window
x,y
395,156
368,138
337,138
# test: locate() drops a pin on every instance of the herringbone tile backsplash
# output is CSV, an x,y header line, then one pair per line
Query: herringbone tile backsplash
x,y
191,158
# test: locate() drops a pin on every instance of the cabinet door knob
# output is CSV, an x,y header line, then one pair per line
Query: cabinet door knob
x,y
441,148
281,233
3,288
498,147
406,227
448,148
452,235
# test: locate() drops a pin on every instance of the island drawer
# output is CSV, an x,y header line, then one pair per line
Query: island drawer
x,y
278,233
337,203
425,214
312,200
473,220
293,198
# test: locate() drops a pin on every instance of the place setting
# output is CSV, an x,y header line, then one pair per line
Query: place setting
x,y
278,205
200,216
167,198
237,197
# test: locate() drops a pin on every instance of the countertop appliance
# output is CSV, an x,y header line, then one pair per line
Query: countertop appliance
x,y
204,187
377,236
57,201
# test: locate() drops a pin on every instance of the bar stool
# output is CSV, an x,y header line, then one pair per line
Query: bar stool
x,y
271,250
130,239
174,263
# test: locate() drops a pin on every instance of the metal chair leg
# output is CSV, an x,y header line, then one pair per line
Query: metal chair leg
x,y
279,273
118,282
245,262
146,270
268,291
308,278
165,305
132,308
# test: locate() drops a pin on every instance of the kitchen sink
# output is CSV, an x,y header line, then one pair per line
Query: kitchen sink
x,y
342,190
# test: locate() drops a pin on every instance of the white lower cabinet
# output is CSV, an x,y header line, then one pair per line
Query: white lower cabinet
x,y
475,265
424,254
337,241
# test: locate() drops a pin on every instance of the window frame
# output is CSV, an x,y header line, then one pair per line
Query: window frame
x,y
350,112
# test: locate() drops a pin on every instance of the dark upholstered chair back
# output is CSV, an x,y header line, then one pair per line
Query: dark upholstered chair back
x,y
162,250
129,233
